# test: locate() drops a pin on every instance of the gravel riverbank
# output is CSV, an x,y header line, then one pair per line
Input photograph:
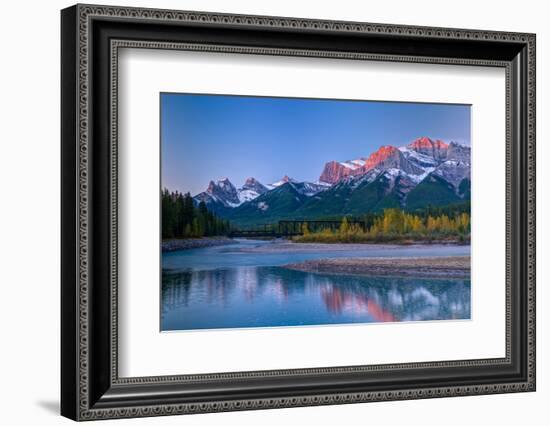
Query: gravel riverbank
x,y
426,267
285,246
192,243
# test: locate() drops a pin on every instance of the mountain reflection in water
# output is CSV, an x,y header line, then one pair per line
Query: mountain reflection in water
x,y
261,296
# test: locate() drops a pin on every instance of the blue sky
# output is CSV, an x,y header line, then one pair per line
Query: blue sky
x,y
208,137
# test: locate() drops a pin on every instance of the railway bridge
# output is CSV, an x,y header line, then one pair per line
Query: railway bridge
x,y
290,228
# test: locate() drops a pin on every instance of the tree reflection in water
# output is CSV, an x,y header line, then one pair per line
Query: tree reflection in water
x,y
274,296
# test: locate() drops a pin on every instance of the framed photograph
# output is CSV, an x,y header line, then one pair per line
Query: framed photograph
x,y
263,212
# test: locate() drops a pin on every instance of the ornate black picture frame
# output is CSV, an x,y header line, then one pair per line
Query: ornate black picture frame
x,y
90,38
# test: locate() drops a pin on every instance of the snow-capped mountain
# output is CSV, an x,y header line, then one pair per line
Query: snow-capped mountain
x,y
417,159
284,180
398,183
426,153
220,192
336,170
390,157
453,171
435,149
251,189
310,189
423,172
305,188
458,152
386,157
224,193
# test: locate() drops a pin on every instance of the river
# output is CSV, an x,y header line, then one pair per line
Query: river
x,y
243,285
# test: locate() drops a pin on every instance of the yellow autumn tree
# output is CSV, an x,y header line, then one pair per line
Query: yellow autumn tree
x,y
375,228
344,226
393,221
463,223
431,224
393,224
417,225
445,224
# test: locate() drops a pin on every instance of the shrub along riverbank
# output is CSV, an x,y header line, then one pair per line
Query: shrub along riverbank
x,y
396,226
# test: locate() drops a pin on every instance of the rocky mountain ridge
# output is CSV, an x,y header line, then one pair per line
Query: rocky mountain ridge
x,y
423,172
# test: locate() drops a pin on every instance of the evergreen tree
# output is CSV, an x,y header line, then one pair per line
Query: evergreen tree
x,y
182,219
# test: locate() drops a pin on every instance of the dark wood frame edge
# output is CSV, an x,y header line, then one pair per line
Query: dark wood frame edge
x,y
88,391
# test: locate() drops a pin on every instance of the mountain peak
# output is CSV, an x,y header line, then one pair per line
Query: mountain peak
x,y
224,181
437,149
251,189
254,185
250,181
397,169
285,179
211,187
459,152
336,170
333,172
458,144
425,142
421,142
381,155
222,190
223,184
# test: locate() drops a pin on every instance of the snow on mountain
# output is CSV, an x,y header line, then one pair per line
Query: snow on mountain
x,y
353,164
224,192
393,172
305,188
247,195
387,157
220,192
336,170
284,180
458,152
252,184
384,158
448,161
453,171
426,150
418,159
408,165
368,177
251,189
399,181
310,188
435,149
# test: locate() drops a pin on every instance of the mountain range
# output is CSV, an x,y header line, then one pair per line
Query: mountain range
x,y
424,172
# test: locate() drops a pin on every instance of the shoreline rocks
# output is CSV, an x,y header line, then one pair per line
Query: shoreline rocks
x,y
193,243
422,267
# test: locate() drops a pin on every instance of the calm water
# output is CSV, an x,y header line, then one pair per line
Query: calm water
x,y
243,285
